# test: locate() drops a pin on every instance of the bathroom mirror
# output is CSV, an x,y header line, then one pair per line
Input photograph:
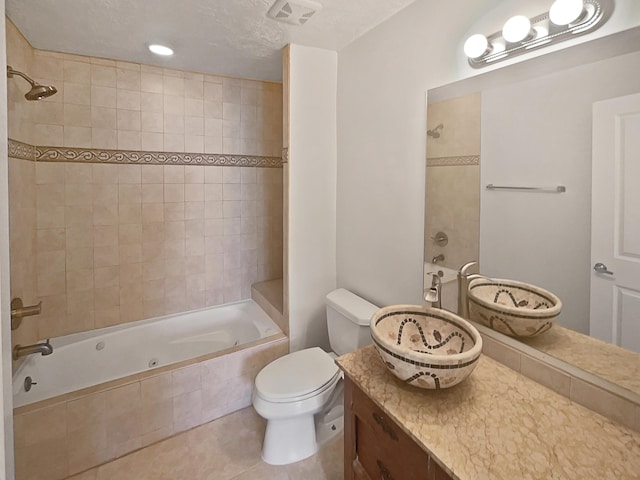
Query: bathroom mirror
x,y
528,125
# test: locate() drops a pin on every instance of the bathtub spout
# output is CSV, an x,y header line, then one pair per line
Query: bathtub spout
x,y
43,348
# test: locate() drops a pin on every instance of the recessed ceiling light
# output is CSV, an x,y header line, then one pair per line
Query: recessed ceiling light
x,y
160,50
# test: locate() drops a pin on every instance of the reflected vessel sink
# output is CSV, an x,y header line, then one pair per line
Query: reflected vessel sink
x,y
513,308
425,347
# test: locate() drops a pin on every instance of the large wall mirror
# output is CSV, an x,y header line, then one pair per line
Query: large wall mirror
x,y
530,125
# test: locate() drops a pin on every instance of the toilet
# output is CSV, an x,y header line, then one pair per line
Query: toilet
x,y
301,394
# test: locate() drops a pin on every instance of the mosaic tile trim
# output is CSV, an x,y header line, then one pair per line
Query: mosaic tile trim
x,y
453,161
21,150
285,155
94,155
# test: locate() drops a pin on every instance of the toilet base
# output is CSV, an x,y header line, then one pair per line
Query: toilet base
x,y
290,440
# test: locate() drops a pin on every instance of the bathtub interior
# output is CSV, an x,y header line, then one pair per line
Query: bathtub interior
x,y
86,359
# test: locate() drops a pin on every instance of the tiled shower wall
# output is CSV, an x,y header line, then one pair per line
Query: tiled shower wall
x,y
453,180
119,243
103,244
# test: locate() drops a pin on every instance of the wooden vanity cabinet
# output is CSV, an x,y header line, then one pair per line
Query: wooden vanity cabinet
x,y
377,448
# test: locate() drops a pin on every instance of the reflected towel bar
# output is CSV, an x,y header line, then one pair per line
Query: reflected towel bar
x,y
558,189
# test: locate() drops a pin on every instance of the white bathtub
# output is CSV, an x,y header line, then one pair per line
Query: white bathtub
x,y
91,358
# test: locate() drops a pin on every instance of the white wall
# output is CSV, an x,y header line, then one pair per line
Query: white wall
x,y
382,81
312,192
6,400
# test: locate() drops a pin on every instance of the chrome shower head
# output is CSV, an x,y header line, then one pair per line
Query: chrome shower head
x,y
37,92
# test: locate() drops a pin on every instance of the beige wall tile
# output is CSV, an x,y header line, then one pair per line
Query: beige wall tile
x,y
44,425
128,100
103,96
104,76
87,448
501,353
86,412
187,410
545,375
109,104
605,403
152,141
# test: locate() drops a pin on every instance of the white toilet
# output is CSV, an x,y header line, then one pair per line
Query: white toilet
x,y
301,394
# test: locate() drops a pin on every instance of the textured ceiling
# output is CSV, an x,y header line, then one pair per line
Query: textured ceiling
x,y
232,37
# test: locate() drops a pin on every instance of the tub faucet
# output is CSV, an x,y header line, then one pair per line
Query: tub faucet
x,y
44,348
434,294
438,258
464,279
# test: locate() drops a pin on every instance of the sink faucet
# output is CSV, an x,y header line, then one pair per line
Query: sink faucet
x,y
464,279
44,348
434,294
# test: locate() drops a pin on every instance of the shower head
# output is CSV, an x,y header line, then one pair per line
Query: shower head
x,y
37,92
435,132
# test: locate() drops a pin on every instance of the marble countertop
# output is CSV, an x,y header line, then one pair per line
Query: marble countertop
x,y
500,425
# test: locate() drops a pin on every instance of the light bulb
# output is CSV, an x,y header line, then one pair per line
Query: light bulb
x,y
516,29
160,50
564,12
476,45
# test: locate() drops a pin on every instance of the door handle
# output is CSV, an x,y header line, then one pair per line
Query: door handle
x,y
602,268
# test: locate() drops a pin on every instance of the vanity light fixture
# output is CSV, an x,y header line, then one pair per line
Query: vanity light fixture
x,y
160,50
565,19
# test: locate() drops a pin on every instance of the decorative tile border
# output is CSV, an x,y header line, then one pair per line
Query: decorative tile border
x,y
453,161
285,155
21,150
93,155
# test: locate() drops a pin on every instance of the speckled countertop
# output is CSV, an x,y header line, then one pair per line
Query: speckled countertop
x,y
500,425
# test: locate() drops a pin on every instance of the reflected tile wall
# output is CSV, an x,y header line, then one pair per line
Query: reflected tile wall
x,y
453,180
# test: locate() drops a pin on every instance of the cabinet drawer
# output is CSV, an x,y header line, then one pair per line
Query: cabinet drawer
x,y
383,449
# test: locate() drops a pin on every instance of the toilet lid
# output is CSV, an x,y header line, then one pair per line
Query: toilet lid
x,y
296,374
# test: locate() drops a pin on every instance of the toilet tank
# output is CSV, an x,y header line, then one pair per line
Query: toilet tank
x,y
348,317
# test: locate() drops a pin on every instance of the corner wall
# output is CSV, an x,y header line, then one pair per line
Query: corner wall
x,y
312,192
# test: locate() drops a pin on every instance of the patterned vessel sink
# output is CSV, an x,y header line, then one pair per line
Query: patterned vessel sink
x,y
425,347
513,308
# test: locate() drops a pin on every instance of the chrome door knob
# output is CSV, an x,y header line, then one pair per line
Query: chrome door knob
x,y
602,268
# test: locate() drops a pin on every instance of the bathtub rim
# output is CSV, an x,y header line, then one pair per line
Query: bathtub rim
x,y
137,377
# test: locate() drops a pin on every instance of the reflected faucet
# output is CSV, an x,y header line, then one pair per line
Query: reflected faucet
x,y
438,258
434,294
44,348
464,279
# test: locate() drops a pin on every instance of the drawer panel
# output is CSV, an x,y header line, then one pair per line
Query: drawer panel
x,y
383,449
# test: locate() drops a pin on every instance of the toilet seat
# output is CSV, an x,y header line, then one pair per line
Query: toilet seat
x,y
297,376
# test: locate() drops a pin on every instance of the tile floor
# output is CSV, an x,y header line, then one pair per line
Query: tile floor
x,y
225,449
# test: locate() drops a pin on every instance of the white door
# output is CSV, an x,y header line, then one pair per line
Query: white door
x,y
615,222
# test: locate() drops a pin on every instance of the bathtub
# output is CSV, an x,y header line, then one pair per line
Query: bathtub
x,y
86,359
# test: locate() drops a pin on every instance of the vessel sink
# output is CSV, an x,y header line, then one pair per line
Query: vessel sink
x,y
425,347
513,308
